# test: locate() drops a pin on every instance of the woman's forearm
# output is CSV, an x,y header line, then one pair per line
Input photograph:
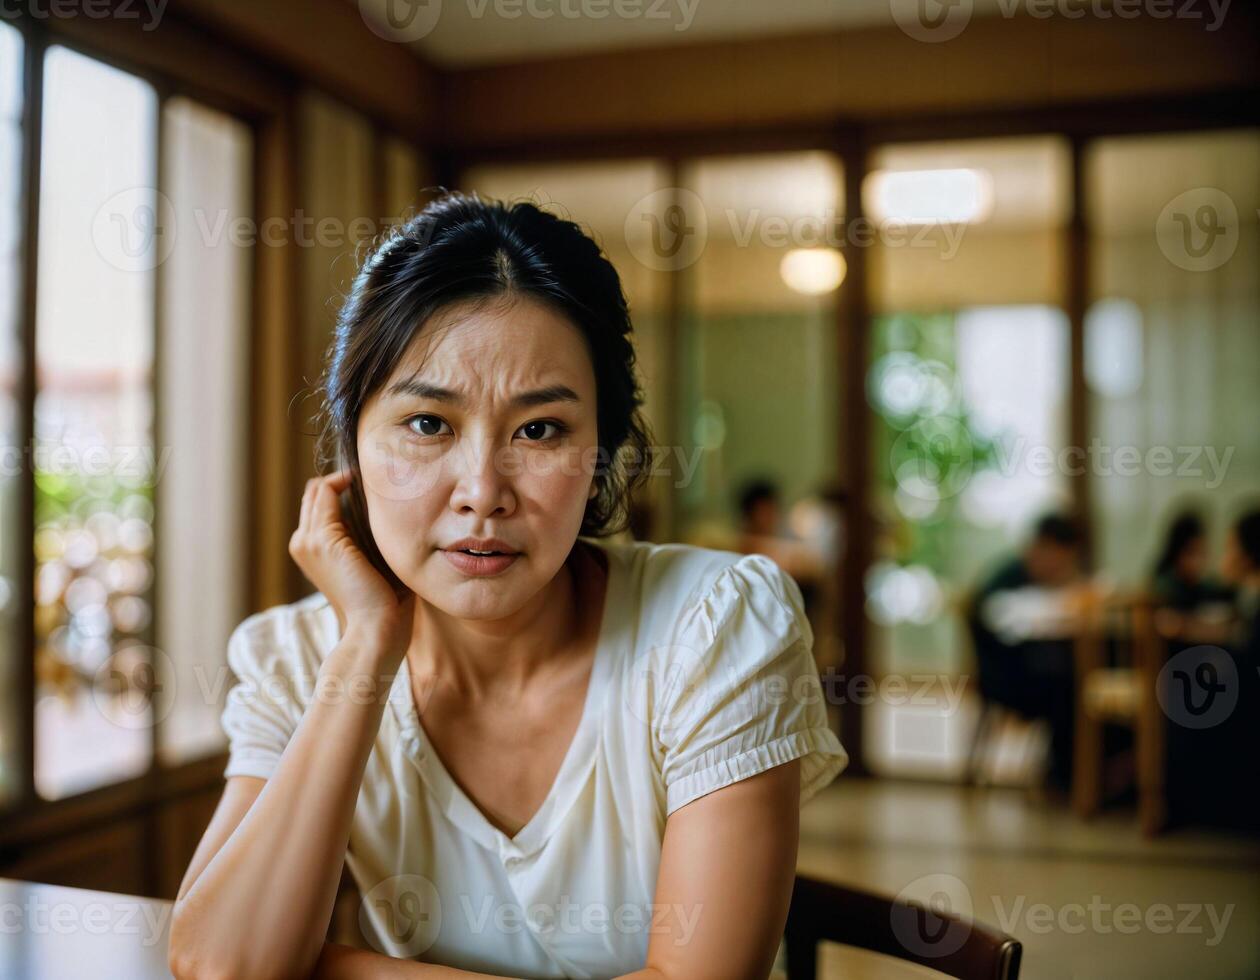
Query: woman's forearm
x,y
262,905
338,962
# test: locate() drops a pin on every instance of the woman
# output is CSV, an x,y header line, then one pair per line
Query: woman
x,y
568,758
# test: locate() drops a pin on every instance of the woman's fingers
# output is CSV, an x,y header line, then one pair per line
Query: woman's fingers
x,y
326,508
314,493
307,496
340,479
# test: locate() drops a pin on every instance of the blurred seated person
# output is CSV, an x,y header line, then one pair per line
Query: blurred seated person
x,y
761,532
1241,568
1022,619
1213,769
1192,605
819,519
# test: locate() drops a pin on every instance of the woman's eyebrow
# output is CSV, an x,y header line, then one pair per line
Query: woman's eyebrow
x,y
525,399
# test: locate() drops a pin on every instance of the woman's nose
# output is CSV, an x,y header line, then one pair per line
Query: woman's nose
x,y
482,478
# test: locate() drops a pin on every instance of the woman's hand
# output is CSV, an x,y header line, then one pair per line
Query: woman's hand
x,y
329,557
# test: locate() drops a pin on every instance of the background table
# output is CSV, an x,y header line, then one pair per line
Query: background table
x,y
48,932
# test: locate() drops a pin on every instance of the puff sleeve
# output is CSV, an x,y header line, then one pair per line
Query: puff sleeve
x,y
740,690
263,708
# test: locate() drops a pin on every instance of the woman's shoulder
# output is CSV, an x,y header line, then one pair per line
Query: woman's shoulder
x,y
680,586
288,638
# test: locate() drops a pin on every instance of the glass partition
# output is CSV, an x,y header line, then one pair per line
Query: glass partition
x,y
203,402
968,386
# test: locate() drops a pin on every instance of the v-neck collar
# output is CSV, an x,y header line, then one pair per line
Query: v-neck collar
x,y
578,760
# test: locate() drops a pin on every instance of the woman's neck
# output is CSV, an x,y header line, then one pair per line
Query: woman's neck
x,y
502,658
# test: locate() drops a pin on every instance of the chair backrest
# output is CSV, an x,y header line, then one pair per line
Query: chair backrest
x,y
822,911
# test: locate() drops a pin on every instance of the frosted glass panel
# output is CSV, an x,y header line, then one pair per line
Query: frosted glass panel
x,y
969,386
758,346
968,223
1173,359
203,401
103,232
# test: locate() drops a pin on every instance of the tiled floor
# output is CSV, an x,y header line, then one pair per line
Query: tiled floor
x,y
1086,899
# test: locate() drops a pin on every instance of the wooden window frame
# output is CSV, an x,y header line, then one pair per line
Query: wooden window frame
x,y
217,72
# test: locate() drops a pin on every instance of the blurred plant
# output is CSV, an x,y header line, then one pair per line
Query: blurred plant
x,y
93,575
926,446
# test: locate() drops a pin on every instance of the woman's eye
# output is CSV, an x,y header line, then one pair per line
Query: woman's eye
x,y
536,431
423,425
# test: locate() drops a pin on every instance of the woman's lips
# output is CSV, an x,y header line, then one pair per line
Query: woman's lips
x,y
480,564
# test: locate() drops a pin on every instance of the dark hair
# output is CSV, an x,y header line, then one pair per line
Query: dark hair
x,y
755,491
1188,526
461,248
1058,528
1247,530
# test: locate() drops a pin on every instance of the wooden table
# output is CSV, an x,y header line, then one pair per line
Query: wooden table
x,y
48,932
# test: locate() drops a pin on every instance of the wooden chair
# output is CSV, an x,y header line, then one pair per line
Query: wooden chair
x,y
825,912
994,717
1123,695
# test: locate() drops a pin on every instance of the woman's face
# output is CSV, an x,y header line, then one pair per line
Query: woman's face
x,y
486,428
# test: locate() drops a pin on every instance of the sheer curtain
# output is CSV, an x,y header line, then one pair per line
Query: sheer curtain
x,y
1173,336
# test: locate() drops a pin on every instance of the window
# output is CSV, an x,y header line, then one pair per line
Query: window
x,y
99,246
142,306
760,394
11,644
968,386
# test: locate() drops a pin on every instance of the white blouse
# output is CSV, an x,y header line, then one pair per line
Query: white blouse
x,y
703,676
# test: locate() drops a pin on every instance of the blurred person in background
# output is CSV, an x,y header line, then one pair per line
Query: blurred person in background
x,y
762,531
1181,578
1022,618
819,520
1191,605
1213,769
1241,568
